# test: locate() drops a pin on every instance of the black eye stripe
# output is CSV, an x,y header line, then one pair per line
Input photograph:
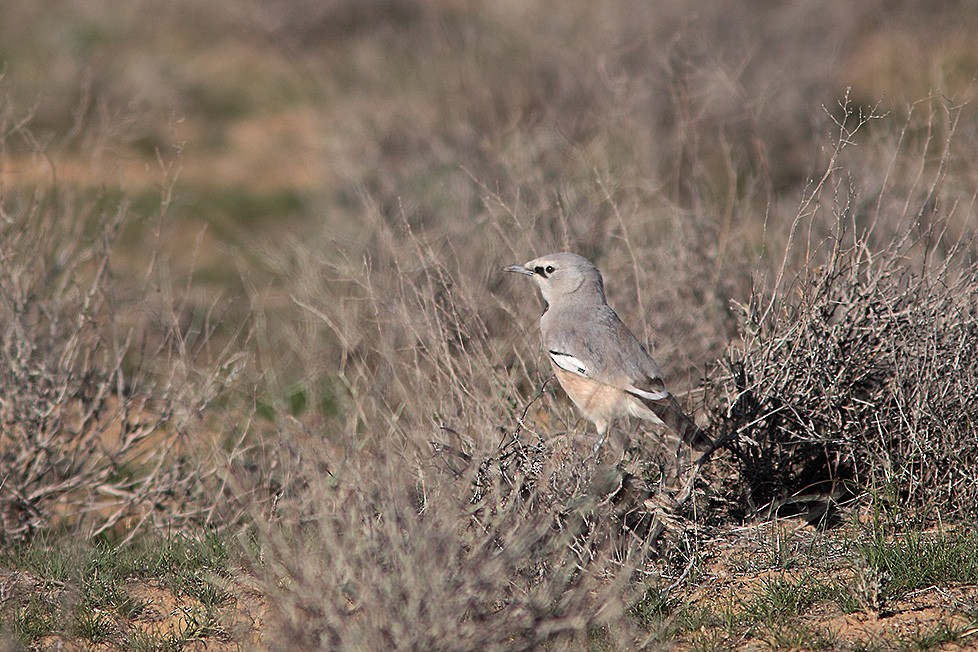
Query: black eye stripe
x,y
539,270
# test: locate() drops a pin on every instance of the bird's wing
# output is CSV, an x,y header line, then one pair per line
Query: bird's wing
x,y
651,392
594,343
648,388
598,346
654,395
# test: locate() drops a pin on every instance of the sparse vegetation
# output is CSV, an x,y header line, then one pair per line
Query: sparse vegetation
x,y
100,592
915,561
263,384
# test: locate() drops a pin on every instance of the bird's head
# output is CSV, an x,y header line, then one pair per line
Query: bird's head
x,y
562,275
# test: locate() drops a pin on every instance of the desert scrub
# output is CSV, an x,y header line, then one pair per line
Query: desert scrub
x,y
425,517
100,374
858,368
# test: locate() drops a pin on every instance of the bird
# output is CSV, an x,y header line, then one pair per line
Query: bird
x,y
599,363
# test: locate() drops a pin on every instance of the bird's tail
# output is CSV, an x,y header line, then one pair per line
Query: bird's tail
x,y
673,416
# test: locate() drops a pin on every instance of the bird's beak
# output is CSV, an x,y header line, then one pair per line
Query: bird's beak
x,y
519,269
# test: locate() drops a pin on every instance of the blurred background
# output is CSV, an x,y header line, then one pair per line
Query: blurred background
x,y
275,120
529,126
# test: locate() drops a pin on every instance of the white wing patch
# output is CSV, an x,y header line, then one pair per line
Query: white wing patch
x,y
649,396
567,362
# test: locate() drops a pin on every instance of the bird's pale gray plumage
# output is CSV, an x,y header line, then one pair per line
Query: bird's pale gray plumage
x,y
600,364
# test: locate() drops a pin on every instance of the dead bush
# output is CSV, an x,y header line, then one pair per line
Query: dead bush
x,y
437,499
858,368
96,393
393,556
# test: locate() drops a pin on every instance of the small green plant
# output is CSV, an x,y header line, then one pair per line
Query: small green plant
x,y
650,609
140,641
41,559
696,617
849,599
30,621
795,636
710,640
930,638
201,623
92,624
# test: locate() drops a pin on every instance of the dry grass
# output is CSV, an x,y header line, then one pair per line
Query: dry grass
x,y
856,366
101,383
342,182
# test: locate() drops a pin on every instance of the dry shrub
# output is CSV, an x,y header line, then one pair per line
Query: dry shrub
x,y
99,379
391,556
858,368
434,502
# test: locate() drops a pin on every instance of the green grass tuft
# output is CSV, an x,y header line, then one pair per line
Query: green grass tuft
x,y
917,560
784,596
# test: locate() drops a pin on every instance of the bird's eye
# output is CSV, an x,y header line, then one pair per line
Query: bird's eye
x,y
550,269
539,270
